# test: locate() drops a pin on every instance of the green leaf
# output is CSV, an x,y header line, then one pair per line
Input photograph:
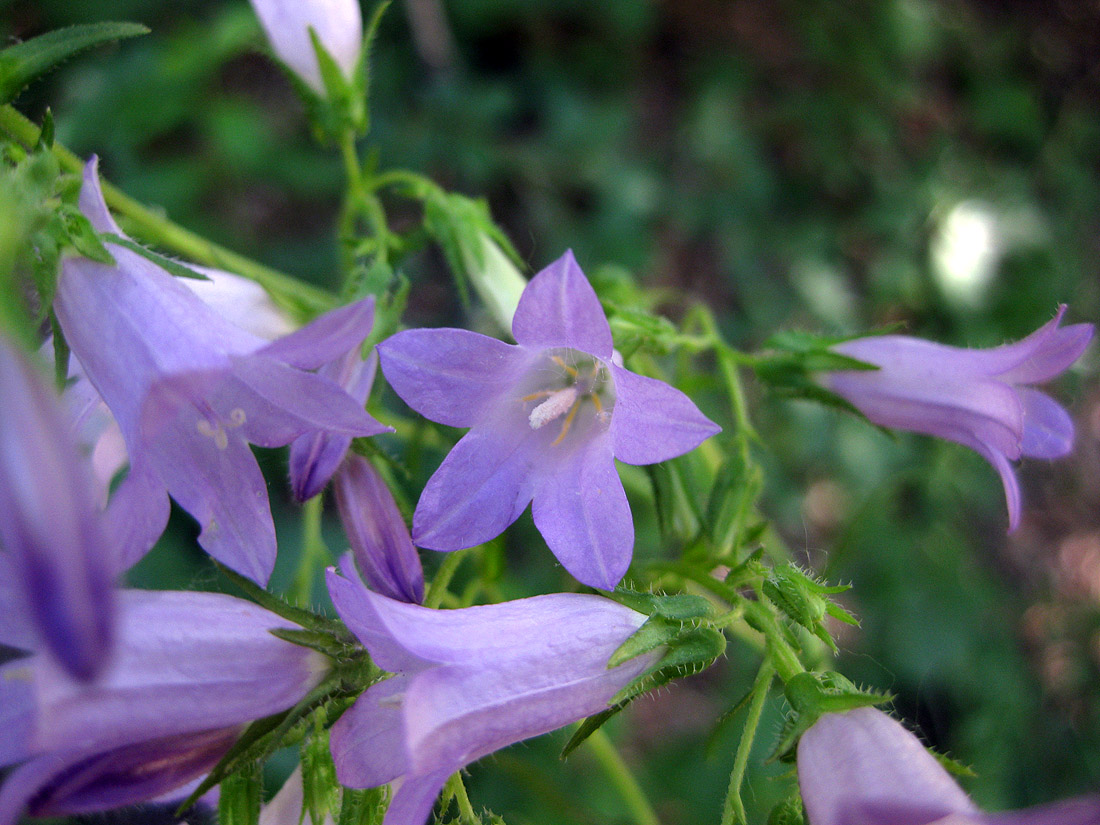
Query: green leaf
x,y
362,74
239,797
23,62
170,265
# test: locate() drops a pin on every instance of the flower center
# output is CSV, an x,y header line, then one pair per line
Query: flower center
x,y
214,427
574,379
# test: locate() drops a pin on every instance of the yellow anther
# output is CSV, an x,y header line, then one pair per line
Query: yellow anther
x,y
557,359
539,394
566,424
596,401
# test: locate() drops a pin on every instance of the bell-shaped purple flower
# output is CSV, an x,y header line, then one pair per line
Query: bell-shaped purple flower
x,y
55,544
863,768
315,456
339,28
469,682
379,538
190,390
548,418
979,398
191,669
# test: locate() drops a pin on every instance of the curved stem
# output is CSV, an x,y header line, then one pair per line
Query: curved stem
x,y
301,298
733,811
314,553
600,746
442,578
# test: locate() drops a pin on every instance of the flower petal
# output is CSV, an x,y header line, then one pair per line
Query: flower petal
x,y
325,339
1008,478
186,662
221,486
653,421
582,512
849,761
91,200
50,525
1084,810
414,797
455,715
483,485
408,636
17,709
136,517
559,308
368,741
339,28
450,375
377,532
1048,429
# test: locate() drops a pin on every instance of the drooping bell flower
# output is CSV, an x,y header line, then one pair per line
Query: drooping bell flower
x,y
190,390
190,671
468,682
337,23
379,538
863,768
978,398
548,417
55,545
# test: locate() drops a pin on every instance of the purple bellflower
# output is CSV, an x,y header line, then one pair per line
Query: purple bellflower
x,y
57,558
190,390
339,28
380,541
863,768
548,417
190,671
978,398
469,682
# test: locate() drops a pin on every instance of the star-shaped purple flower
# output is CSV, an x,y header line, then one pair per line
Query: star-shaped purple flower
x,y
548,417
978,398
863,768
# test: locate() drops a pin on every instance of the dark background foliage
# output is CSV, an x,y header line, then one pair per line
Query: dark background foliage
x,y
794,164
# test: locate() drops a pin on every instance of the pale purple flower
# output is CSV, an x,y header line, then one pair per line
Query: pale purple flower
x,y
190,671
548,417
339,28
315,456
979,398
190,390
863,768
57,562
379,538
469,682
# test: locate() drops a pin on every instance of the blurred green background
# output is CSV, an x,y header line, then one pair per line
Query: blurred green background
x,y
794,164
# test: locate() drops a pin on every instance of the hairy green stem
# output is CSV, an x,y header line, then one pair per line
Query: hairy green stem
x,y
293,294
601,747
733,811
457,788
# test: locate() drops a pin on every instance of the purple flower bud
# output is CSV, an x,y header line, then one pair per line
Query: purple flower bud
x,y
315,456
469,682
339,28
978,398
51,530
863,768
548,418
191,669
190,390
378,535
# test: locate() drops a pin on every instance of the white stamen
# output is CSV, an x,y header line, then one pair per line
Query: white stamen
x,y
553,407
216,432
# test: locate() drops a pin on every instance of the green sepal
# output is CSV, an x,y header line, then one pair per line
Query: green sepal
x,y
239,797
953,766
654,632
361,79
690,652
80,233
170,265
22,63
280,607
364,807
321,642
805,600
320,790
811,695
788,812
637,329
679,606
589,726
735,490
678,514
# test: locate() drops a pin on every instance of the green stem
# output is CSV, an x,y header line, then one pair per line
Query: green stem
x,y
314,553
296,296
733,812
457,788
600,746
443,577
